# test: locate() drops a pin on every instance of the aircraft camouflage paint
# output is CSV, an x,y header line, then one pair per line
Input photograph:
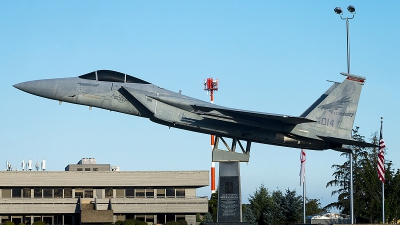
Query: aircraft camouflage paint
x,y
326,124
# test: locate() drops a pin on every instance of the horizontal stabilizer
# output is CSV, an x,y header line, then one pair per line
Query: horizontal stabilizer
x,y
347,141
235,112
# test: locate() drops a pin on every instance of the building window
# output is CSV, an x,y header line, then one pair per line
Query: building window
x,y
26,193
16,192
140,217
87,169
130,192
120,192
37,193
149,192
58,192
170,217
67,192
161,193
180,192
78,192
109,192
79,169
160,218
47,193
150,219
99,193
6,192
180,217
170,192
95,169
140,193
88,193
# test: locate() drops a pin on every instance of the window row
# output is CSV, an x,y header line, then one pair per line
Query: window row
x,y
87,169
119,192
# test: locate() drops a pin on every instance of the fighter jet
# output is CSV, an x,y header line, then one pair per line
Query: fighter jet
x,y
326,124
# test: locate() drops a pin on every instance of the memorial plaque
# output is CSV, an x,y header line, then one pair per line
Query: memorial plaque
x,y
229,196
228,200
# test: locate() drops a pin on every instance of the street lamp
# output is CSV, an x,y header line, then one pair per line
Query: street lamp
x,y
339,11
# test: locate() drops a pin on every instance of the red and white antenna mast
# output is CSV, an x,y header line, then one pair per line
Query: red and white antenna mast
x,y
211,85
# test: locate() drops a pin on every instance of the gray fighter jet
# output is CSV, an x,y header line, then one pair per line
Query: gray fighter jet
x,y
326,124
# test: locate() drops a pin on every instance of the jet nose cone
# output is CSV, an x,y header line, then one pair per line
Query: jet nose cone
x,y
20,86
43,88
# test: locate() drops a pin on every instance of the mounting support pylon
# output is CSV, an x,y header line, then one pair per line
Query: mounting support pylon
x,y
230,155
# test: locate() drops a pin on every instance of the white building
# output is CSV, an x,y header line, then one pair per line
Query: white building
x,y
92,193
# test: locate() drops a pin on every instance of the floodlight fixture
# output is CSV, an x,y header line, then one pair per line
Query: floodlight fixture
x,y
339,10
351,9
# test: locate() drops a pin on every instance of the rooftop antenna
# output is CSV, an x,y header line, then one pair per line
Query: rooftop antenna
x,y
30,165
37,166
43,165
8,166
23,165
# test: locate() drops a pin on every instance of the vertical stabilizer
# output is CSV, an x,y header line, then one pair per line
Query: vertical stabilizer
x,y
336,109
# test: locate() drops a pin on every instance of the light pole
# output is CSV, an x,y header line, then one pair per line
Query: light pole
x,y
339,11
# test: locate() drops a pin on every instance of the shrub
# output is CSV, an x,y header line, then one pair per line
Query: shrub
x,y
140,222
119,222
129,222
8,223
179,222
39,223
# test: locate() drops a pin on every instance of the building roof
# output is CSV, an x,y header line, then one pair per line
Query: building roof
x,y
104,178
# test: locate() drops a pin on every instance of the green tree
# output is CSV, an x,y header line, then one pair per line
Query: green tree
x,y
260,203
277,208
248,215
392,199
213,206
313,207
286,208
366,186
207,218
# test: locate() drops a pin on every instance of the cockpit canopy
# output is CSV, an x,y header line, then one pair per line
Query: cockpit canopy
x,y
112,76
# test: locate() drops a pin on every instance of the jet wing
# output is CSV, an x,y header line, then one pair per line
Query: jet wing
x,y
218,111
347,141
211,111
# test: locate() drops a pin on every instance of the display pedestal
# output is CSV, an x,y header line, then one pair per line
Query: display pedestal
x,y
229,195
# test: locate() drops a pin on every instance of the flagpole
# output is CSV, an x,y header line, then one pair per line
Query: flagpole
x,y
383,203
383,183
303,180
304,200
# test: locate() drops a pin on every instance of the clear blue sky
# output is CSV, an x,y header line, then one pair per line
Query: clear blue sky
x,y
269,56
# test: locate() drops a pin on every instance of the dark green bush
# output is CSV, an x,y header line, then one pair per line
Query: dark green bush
x,y
129,222
119,222
8,223
39,223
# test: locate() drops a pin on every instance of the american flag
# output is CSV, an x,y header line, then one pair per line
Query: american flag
x,y
381,158
302,166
